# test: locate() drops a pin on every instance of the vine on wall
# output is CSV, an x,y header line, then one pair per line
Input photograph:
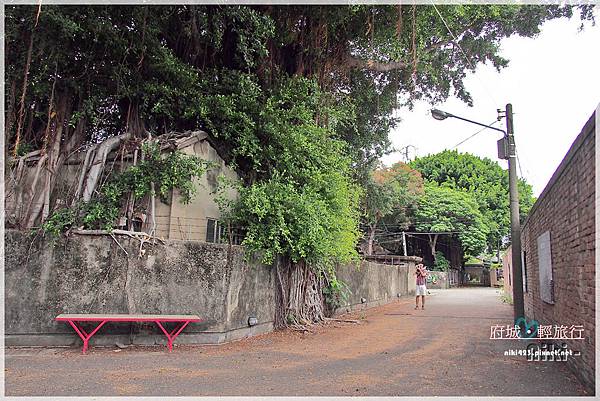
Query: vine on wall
x,y
155,175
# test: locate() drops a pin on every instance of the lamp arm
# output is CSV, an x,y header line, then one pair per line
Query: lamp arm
x,y
476,123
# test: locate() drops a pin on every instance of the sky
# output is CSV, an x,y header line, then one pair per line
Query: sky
x,y
553,83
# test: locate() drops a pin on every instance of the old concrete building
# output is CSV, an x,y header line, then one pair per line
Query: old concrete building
x,y
558,245
199,219
195,221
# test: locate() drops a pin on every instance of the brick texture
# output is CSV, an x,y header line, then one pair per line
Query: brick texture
x,y
566,208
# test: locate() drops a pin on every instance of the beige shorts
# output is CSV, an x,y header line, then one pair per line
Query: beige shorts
x,y
421,290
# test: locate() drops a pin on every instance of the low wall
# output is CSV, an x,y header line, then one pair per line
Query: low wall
x,y
94,274
378,283
494,280
438,280
86,274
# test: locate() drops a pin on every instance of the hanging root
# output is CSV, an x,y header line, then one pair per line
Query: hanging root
x,y
299,296
137,235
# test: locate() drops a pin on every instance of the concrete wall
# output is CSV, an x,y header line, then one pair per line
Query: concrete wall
x,y
378,283
438,280
495,280
92,274
566,210
86,274
454,277
477,273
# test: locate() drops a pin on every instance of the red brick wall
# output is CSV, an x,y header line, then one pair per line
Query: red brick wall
x,y
566,208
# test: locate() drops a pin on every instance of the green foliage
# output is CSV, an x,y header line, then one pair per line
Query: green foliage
x,y
336,294
305,204
506,297
485,180
441,263
472,260
169,66
23,149
391,194
174,170
60,221
444,209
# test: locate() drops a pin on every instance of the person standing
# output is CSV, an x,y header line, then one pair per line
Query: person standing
x,y
421,288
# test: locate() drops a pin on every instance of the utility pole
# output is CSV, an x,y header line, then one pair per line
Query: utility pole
x,y
515,223
506,151
405,151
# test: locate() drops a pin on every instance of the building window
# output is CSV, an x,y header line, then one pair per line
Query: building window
x,y
545,268
218,233
214,231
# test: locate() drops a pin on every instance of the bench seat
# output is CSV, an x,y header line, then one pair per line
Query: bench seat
x,y
75,321
126,318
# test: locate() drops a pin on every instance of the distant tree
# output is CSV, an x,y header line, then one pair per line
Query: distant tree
x,y
390,193
441,263
448,210
482,178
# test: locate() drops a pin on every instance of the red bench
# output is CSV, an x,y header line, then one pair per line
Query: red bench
x,y
75,322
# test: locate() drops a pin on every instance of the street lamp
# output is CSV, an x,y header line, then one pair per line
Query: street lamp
x,y
439,115
507,151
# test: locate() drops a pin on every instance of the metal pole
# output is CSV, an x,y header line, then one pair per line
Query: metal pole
x,y
515,224
404,243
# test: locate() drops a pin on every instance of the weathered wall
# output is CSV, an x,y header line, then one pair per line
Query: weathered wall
x,y
495,279
478,273
189,221
438,280
454,277
93,274
378,283
566,209
86,274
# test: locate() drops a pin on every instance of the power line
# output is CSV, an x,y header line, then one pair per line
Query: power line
x,y
481,130
519,163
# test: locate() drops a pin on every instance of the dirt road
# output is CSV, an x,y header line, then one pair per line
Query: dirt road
x,y
394,351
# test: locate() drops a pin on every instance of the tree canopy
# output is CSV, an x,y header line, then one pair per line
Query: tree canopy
x,y
452,211
485,180
391,195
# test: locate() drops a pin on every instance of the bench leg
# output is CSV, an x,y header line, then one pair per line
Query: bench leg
x,y
85,337
173,334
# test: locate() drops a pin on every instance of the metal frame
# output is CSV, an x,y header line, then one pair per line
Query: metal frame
x,y
85,337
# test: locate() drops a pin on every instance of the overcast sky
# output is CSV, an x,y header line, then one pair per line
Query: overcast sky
x,y
553,83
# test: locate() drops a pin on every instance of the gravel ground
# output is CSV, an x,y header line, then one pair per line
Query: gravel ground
x,y
394,350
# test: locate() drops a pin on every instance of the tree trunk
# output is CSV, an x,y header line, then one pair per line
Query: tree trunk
x,y
98,164
371,239
10,115
432,243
